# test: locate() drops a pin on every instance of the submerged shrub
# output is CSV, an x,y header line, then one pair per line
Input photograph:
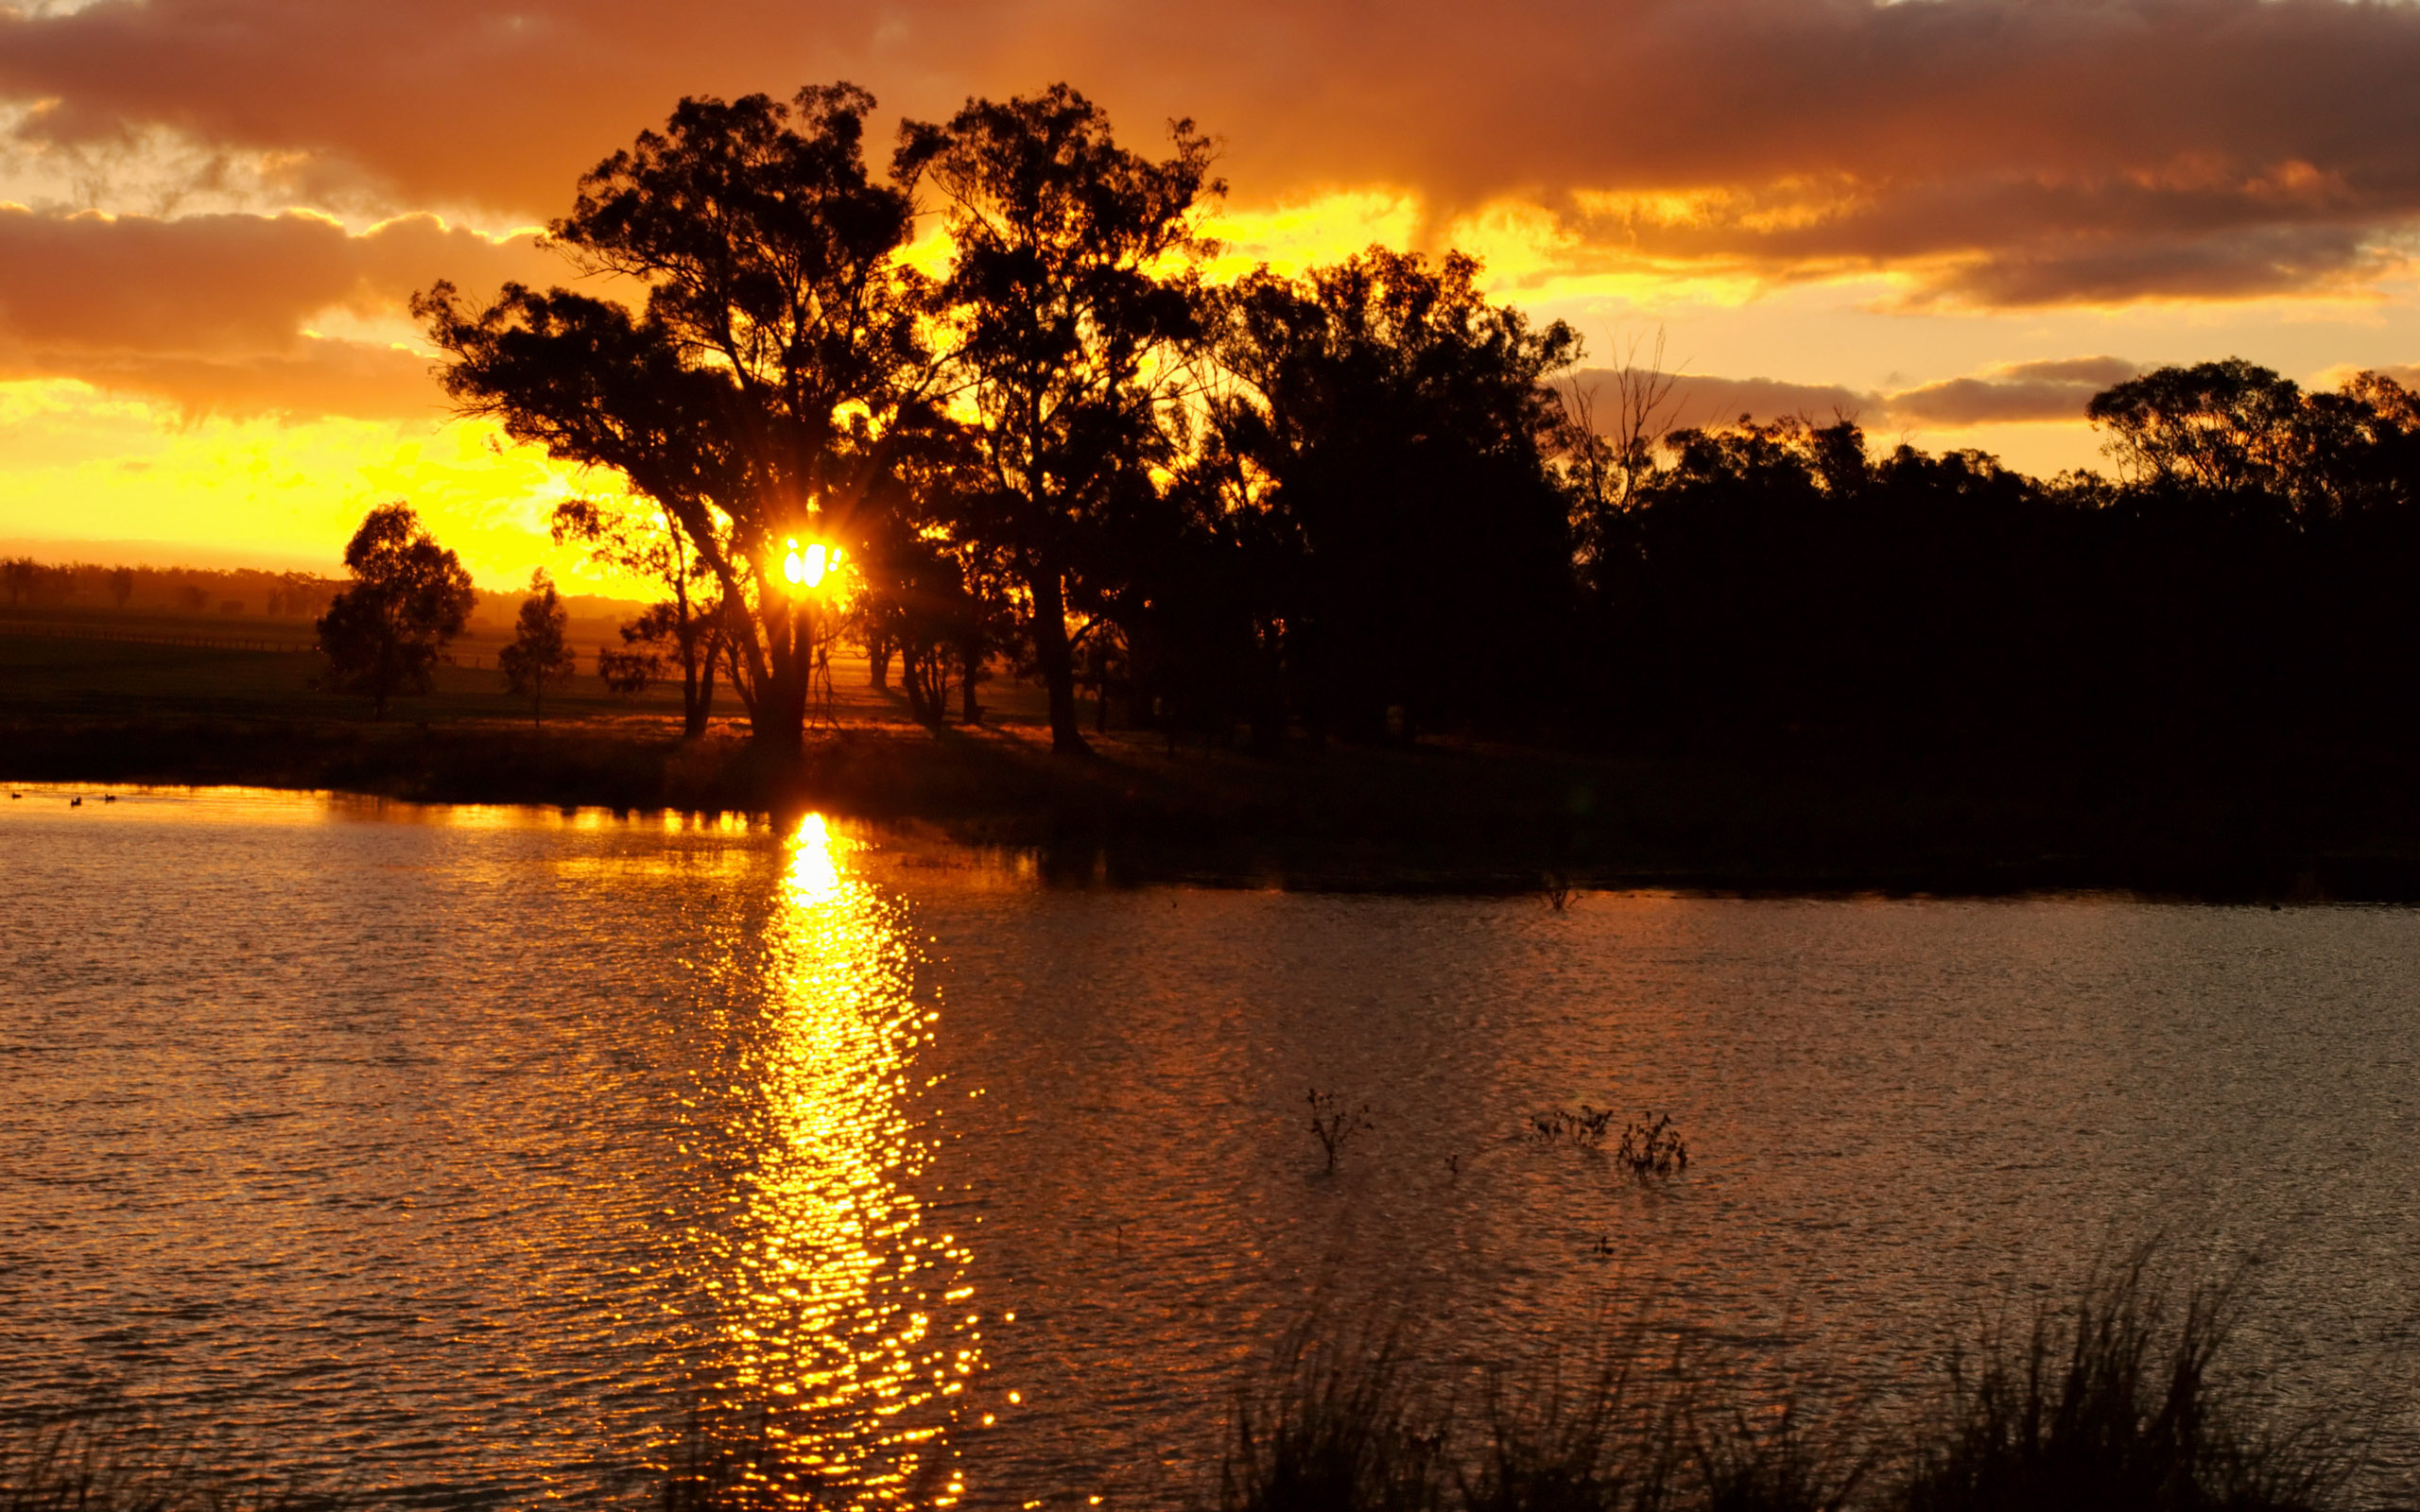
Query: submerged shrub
x,y
1584,1125
1654,1151
1332,1122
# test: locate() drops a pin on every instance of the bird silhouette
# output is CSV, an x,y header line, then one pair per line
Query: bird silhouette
x,y
109,798
74,802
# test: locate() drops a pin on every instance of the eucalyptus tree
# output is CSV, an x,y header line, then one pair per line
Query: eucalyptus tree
x,y
539,656
1074,287
755,391
1401,429
644,537
409,596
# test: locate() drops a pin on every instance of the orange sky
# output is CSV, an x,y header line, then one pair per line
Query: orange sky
x,y
1952,218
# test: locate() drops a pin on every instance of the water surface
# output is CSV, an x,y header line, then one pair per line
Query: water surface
x,y
457,1153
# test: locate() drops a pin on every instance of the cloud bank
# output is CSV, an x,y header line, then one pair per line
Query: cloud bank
x,y
2012,394
1989,152
213,313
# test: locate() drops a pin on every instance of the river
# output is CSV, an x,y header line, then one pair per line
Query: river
x,y
460,1155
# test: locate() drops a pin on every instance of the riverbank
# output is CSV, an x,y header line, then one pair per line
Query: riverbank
x,y
1802,814
1438,816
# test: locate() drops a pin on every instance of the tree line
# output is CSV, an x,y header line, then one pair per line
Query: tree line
x,y
30,583
1363,503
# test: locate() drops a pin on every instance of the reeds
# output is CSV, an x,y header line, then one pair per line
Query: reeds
x,y
2117,1401
2112,1402
1351,1432
2115,1404
95,1462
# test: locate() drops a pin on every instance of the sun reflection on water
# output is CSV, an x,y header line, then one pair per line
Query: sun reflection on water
x,y
850,1327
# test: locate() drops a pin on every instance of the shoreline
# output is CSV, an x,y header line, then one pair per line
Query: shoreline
x,y
1437,817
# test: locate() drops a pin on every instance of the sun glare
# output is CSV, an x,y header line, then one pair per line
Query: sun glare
x,y
849,1324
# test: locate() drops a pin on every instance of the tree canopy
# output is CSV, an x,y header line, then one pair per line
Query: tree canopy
x,y
409,597
1351,501
756,393
1071,290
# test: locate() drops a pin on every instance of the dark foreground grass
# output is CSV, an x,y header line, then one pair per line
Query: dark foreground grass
x,y
2117,1402
96,1461
2114,1404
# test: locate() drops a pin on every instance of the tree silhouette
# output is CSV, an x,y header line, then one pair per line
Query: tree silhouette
x,y
539,654
644,537
1404,427
1074,278
756,396
408,597
2220,426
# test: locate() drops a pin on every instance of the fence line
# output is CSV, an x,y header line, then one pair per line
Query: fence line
x,y
137,635
113,632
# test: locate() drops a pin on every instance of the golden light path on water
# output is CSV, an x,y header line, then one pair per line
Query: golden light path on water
x,y
850,1327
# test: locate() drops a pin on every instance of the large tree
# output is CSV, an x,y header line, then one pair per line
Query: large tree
x,y
755,395
408,597
1397,425
1074,282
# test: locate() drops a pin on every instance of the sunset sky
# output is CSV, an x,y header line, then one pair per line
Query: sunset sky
x,y
1954,219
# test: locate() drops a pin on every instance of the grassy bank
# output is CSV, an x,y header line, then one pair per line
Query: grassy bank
x,y
1803,816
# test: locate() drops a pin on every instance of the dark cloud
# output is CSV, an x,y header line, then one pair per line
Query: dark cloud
x,y
2052,390
1700,401
212,311
224,281
2005,151
2099,372
318,377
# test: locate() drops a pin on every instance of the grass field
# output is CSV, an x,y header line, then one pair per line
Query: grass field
x,y
194,701
105,664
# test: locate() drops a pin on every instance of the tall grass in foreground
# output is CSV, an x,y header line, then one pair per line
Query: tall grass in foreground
x,y
2113,1404
97,1464
2110,1404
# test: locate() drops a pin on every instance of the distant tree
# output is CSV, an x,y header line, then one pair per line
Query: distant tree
x,y
194,597
935,595
408,597
625,673
644,537
296,594
122,585
1074,275
540,655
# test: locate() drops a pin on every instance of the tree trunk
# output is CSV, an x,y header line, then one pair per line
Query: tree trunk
x,y
879,661
912,674
778,722
698,702
1057,664
693,721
